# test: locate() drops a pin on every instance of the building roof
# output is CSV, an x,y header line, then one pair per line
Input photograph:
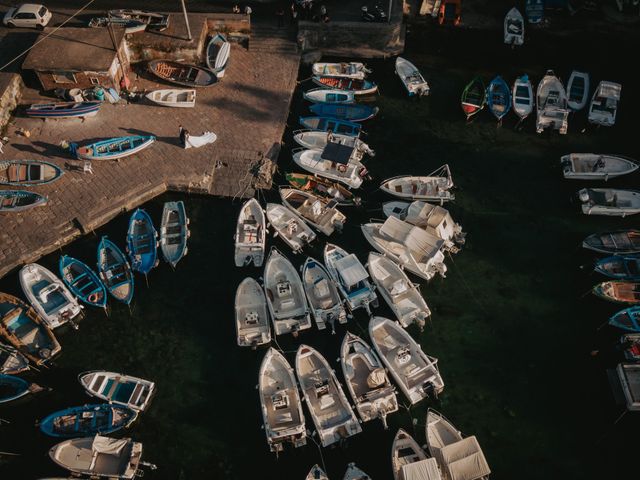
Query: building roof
x,y
74,49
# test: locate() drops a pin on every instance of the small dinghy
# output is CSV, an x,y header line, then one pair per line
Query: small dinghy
x,y
63,110
409,461
114,271
631,344
12,388
514,27
316,473
351,113
330,410
604,104
285,295
592,166
358,87
280,401
154,21
217,55
319,186
321,214
411,78
617,242
82,281
322,294
251,231
343,69
609,201
498,97
330,124
414,371
19,200
619,267
619,291
334,165
113,148
292,229
578,90
474,97
87,421
534,10
182,73
627,319
48,295
125,390
435,187
354,473
12,362
28,173
174,232
318,140
523,97
551,105
252,318
142,243
328,95
171,97
130,25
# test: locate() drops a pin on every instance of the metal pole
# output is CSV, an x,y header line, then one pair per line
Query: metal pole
x,y
389,16
186,19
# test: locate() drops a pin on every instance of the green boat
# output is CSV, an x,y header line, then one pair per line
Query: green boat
x,y
473,97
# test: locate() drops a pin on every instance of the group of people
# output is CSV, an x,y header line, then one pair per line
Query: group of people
x,y
304,11
247,9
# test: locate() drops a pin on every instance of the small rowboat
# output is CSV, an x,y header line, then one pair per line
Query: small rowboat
x,y
411,77
27,173
619,267
591,166
627,319
82,281
153,21
514,27
328,95
63,109
523,97
618,291
115,271
12,388
333,125
174,232
473,97
12,362
217,57
578,90
116,388
351,113
499,97
142,242
113,148
617,242
87,421
129,24
344,70
322,187
19,200
182,73
173,97
358,87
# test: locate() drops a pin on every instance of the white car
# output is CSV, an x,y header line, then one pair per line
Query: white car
x,y
27,15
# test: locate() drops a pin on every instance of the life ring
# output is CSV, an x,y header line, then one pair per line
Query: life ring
x,y
93,298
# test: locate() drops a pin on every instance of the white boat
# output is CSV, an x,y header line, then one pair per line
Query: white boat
x,y
354,473
367,381
285,295
402,296
409,461
322,294
604,104
592,166
318,140
411,77
349,171
251,231
316,473
217,55
413,370
343,69
252,317
609,201
551,104
514,27
351,278
435,187
292,229
132,392
522,96
173,97
328,95
153,21
48,295
330,410
321,213
578,90
280,403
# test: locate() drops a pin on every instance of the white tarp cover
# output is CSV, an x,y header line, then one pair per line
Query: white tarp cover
x,y
464,460
199,141
108,446
422,470
376,378
425,214
414,238
351,270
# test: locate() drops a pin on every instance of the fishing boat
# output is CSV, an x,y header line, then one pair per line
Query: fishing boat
x,y
318,140
435,187
20,200
617,242
48,295
357,86
82,281
330,124
619,291
324,188
280,402
217,56
409,461
87,421
474,97
534,10
351,113
113,148
153,21
142,243
119,389
351,278
12,362
609,201
619,267
63,110
322,295
330,410
514,27
414,371
28,173
522,97
627,319
174,232
411,78
343,69
285,295
354,473
321,214
173,97
604,104
23,328
251,231
130,25
499,97
593,166
292,229
182,73
328,95
252,317
551,104
578,90
631,344
12,388
316,473
114,271
334,164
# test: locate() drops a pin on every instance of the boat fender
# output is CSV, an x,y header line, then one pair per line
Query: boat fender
x,y
93,298
583,195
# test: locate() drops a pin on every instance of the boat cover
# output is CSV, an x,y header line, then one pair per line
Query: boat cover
x,y
351,270
464,460
413,238
108,446
338,153
423,470
418,212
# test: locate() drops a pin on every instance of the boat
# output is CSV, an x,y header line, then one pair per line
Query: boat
x,y
474,97
514,27
13,388
593,166
578,90
457,457
113,148
142,242
351,113
285,295
551,104
20,200
252,317
415,372
251,231
435,187
409,461
322,295
182,73
48,295
331,163
609,201
411,78
280,403
343,69
616,242
28,173
173,97
320,213
318,140
328,95
354,473
82,281
116,388
351,278
330,410
619,267
330,124
24,329
449,12
316,473
522,97
357,86
99,457
12,362
367,381
130,25
324,188
292,229
87,421
114,271
619,291
534,10
631,344
499,97
217,55
63,110
604,104
153,21
174,232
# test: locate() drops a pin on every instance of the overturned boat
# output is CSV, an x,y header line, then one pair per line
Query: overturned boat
x,y
173,97
217,56
252,316
435,187
322,294
292,229
250,238
321,214
592,166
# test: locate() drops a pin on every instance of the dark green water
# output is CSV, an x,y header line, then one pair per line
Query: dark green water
x,y
511,325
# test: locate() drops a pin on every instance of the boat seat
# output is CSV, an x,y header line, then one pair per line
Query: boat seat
x,y
17,173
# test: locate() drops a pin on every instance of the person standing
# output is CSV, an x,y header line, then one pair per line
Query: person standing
x,y
236,8
294,13
183,133
247,10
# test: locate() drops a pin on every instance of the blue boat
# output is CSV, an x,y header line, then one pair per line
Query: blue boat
x,y
619,267
12,388
351,113
19,200
87,421
174,232
115,272
112,148
333,125
534,10
142,242
63,109
82,281
627,319
499,97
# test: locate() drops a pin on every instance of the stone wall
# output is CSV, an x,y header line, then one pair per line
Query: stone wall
x,y
10,93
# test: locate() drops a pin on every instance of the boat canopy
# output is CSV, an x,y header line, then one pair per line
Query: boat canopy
x,y
419,211
423,470
351,270
414,238
464,460
108,446
337,152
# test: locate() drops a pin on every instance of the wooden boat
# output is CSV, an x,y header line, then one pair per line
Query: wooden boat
x,y
20,200
320,213
119,389
130,25
182,73
333,125
28,173
578,90
351,113
114,271
592,166
522,97
344,69
434,187
328,95
354,473
619,291
321,187
357,86
88,420
23,328
351,278
534,10
339,167
63,110
318,140
619,267
13,388
409,461
99,457
330,410
217,55
627,319
174,232
414,371
322,295
617,242
48,295
142,243
552,110
604,104
113,148
251,231
316,473
292,229
173,97
499,97
285,295
280,402
252,317
474,97
514,27
12,362
631,344
153,21
609,201
82,281
411,78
